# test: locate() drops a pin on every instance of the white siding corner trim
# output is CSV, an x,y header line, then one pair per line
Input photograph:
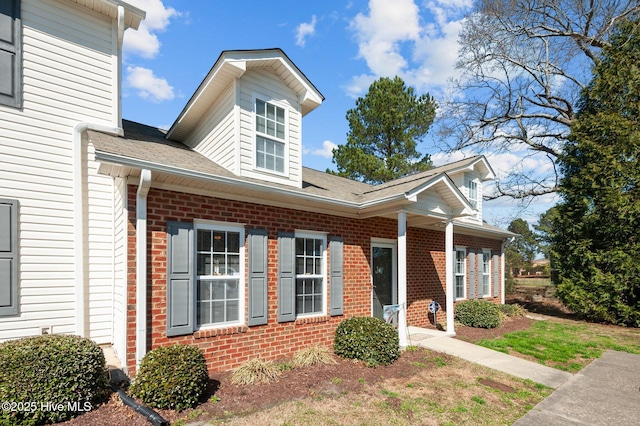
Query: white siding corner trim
x,y
141,264
79,222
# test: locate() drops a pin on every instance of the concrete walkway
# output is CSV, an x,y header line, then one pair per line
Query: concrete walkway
x,y
605,392
438,341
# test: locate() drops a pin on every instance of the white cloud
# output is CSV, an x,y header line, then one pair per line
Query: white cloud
x,y
419,45
305,30
148,85
381,32
144,42
326,151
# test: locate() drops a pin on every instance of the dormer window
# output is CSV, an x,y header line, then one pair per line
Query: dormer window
x,y
270,137
473,193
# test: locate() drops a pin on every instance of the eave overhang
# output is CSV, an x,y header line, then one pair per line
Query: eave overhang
x,y
480,165
263,193
132,15
231,65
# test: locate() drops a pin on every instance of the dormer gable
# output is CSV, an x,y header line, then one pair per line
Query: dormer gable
x,y
247,113
470,176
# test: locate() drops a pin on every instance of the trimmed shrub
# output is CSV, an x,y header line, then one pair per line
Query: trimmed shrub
x,y
367,339
255,371
173,377
478,313
50,378
313,355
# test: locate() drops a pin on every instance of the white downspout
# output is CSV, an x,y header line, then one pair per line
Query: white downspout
x,y
121,28
448,249
402,278
141,264
79,193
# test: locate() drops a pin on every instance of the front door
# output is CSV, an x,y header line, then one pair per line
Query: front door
x,y
383,274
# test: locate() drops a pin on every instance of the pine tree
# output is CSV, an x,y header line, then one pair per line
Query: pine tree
x,y
596,233
384,130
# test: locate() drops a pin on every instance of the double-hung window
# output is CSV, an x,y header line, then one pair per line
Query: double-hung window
x,y
459,271
473,193
219,250
310,274
486,273
270,137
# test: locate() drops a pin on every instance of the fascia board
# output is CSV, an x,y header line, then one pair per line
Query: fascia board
x,y
235,67
232,182
446,180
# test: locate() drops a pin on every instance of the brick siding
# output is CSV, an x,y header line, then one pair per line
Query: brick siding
x,y
226,348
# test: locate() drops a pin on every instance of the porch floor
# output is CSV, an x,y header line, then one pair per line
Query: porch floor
x,y
439,341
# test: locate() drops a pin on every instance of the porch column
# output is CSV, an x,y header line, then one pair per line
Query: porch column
x,y
402,277
448,249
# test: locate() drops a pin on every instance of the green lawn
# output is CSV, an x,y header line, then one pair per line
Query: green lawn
x,y
566,345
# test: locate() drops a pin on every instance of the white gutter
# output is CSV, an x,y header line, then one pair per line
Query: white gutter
x,y
141,264
79,222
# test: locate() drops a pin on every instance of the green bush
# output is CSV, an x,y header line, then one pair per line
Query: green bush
x,y
173,377
367,339
478,313
50,378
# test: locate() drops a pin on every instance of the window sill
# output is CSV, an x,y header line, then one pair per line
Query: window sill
x,y
312,320
226,331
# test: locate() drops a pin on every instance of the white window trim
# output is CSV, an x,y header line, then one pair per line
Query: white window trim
x,y
475,201
325,269
221,226
487,274
463,273
255,134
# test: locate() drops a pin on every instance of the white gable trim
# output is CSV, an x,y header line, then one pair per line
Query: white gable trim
x,y
230,66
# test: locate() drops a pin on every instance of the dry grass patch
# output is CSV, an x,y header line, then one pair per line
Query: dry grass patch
x,y
255,371
314,355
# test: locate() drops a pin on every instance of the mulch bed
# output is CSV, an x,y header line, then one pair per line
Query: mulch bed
x,y
345,376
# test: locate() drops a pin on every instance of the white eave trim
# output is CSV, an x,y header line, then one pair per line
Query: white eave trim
x,y
472,227
155,167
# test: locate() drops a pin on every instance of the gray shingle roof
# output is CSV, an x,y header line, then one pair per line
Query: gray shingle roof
x,y
148,144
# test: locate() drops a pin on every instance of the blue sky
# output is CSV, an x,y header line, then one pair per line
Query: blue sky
x,y
341,46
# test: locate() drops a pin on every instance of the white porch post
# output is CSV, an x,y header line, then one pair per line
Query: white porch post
x,y
402,277
502,275
448,248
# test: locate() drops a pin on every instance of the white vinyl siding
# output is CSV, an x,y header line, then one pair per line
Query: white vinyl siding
x,y
215,137
267,86
460,273
68,57
120,268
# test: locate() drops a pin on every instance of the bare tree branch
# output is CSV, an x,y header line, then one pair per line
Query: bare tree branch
x,y
524,64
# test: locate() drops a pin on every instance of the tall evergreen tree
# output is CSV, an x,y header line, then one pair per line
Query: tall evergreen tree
x,y
595,236
384,130
522,250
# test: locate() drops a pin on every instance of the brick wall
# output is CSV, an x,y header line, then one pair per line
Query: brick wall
x,y
226,348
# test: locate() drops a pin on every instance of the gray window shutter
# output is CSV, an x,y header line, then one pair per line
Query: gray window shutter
x,y
258,267
496,276
336,245
180,279
10,54
471,274
286,277
8,257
